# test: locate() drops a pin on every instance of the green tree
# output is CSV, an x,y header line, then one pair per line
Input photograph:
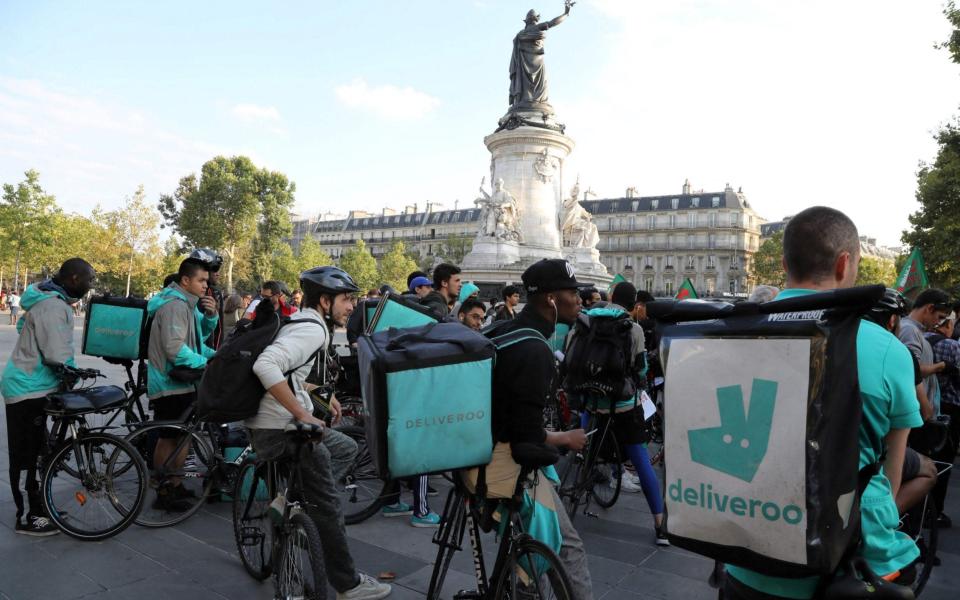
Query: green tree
x,y
311,254
876,270
233,206
396,265
133,231
934,227
454,248
767,264
27,220
284,267
361,265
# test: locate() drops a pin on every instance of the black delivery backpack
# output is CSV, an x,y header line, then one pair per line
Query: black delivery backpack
x,y
116,328
762,414
427,397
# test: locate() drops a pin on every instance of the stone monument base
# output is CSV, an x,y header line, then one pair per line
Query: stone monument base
x,y
586,261
490,253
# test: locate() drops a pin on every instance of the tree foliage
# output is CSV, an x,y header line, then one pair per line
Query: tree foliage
x,y
361,265
875,270
395,265
234,205
454,248
28,217
311,254
767,266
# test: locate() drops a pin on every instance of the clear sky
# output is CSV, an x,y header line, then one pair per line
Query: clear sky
x,y
386,103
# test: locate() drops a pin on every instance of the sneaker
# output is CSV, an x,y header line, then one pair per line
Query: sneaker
x,y
943,522
627,484
661,538
400,509
431,519
168,501
368,589
37,527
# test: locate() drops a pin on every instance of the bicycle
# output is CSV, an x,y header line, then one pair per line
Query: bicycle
x,y
920,520
362,491
177,491
93,482
131,411
593,473
524,567
274,535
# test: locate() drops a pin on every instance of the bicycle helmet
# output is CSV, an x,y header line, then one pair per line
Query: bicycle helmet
x,y
892,303
206,257
328,280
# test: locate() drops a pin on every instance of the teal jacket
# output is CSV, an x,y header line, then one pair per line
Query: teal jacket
x,y
176,340
45,340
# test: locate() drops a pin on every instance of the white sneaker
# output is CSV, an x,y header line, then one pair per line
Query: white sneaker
x,y
368,589
627,484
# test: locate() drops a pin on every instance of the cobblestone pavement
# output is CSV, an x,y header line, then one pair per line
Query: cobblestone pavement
x,y
197,559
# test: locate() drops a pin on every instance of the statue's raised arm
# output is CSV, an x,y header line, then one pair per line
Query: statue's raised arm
x,y
557,20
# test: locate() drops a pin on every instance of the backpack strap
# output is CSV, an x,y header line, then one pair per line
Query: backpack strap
x,y
516,336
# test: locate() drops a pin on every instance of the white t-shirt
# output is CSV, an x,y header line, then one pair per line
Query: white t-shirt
x,y
13,301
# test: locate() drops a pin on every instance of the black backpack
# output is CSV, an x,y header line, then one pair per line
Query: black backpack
x,y
229,390
598,362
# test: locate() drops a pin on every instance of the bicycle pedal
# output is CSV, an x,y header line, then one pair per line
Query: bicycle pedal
x,y
591,514
468,595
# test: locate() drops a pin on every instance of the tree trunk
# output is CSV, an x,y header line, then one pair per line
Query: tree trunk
x,y
16,271
129,272
230,258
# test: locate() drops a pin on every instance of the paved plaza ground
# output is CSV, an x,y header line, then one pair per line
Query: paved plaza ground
x,y
197,559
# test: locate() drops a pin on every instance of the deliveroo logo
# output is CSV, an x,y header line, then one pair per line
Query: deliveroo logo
x,y
738,445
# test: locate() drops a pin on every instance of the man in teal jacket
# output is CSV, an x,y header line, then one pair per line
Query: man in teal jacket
x,y
45,344
176,355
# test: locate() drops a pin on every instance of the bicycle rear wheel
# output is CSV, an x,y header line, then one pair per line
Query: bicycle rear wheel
x,y
361,492
174,492
605,467
299,569
572,495
252,527
84,491
533,572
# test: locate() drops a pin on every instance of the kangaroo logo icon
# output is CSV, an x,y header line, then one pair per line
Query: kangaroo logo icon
x,y
738,445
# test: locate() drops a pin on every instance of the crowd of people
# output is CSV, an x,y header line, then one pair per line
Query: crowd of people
x,y
907,362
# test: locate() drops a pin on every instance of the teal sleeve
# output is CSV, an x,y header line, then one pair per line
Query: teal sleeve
x,y
207,351
898,379
207,325
188,358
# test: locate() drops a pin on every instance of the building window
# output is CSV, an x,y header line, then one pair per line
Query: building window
x,y
715,202
733,286
712,241
695,202
653,204
669,261
648,284
668,287
673,221
652,222
648,262
691,264
691,220
712,261
675,203
713,219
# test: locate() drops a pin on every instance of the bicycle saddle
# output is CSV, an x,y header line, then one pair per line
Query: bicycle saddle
x,y
95,399
307,428
534,456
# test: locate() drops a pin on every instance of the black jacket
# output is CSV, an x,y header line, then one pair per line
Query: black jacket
x,y
524,377
437,303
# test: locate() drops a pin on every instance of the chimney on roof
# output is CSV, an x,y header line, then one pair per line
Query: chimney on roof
x,y
740,190
728,188
687,188
631,192
456,204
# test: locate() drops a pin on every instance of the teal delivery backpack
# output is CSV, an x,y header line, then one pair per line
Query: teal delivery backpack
x,y
396,311
115,328
427,396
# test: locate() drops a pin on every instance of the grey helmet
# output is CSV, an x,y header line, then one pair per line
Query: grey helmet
x,y
206,257
328,280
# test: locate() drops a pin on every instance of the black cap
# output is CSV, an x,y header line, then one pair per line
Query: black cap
x,y
549,275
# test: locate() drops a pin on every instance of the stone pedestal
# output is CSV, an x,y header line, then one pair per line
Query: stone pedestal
x,y
490,253
530,162
586,261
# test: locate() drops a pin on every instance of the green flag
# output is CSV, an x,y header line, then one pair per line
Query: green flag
x,y
617,279
913,274
686,290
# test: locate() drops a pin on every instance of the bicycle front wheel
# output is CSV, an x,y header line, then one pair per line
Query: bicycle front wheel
x,y
181,464
93,487
252,527
361,491
299,571
533,572
605,469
